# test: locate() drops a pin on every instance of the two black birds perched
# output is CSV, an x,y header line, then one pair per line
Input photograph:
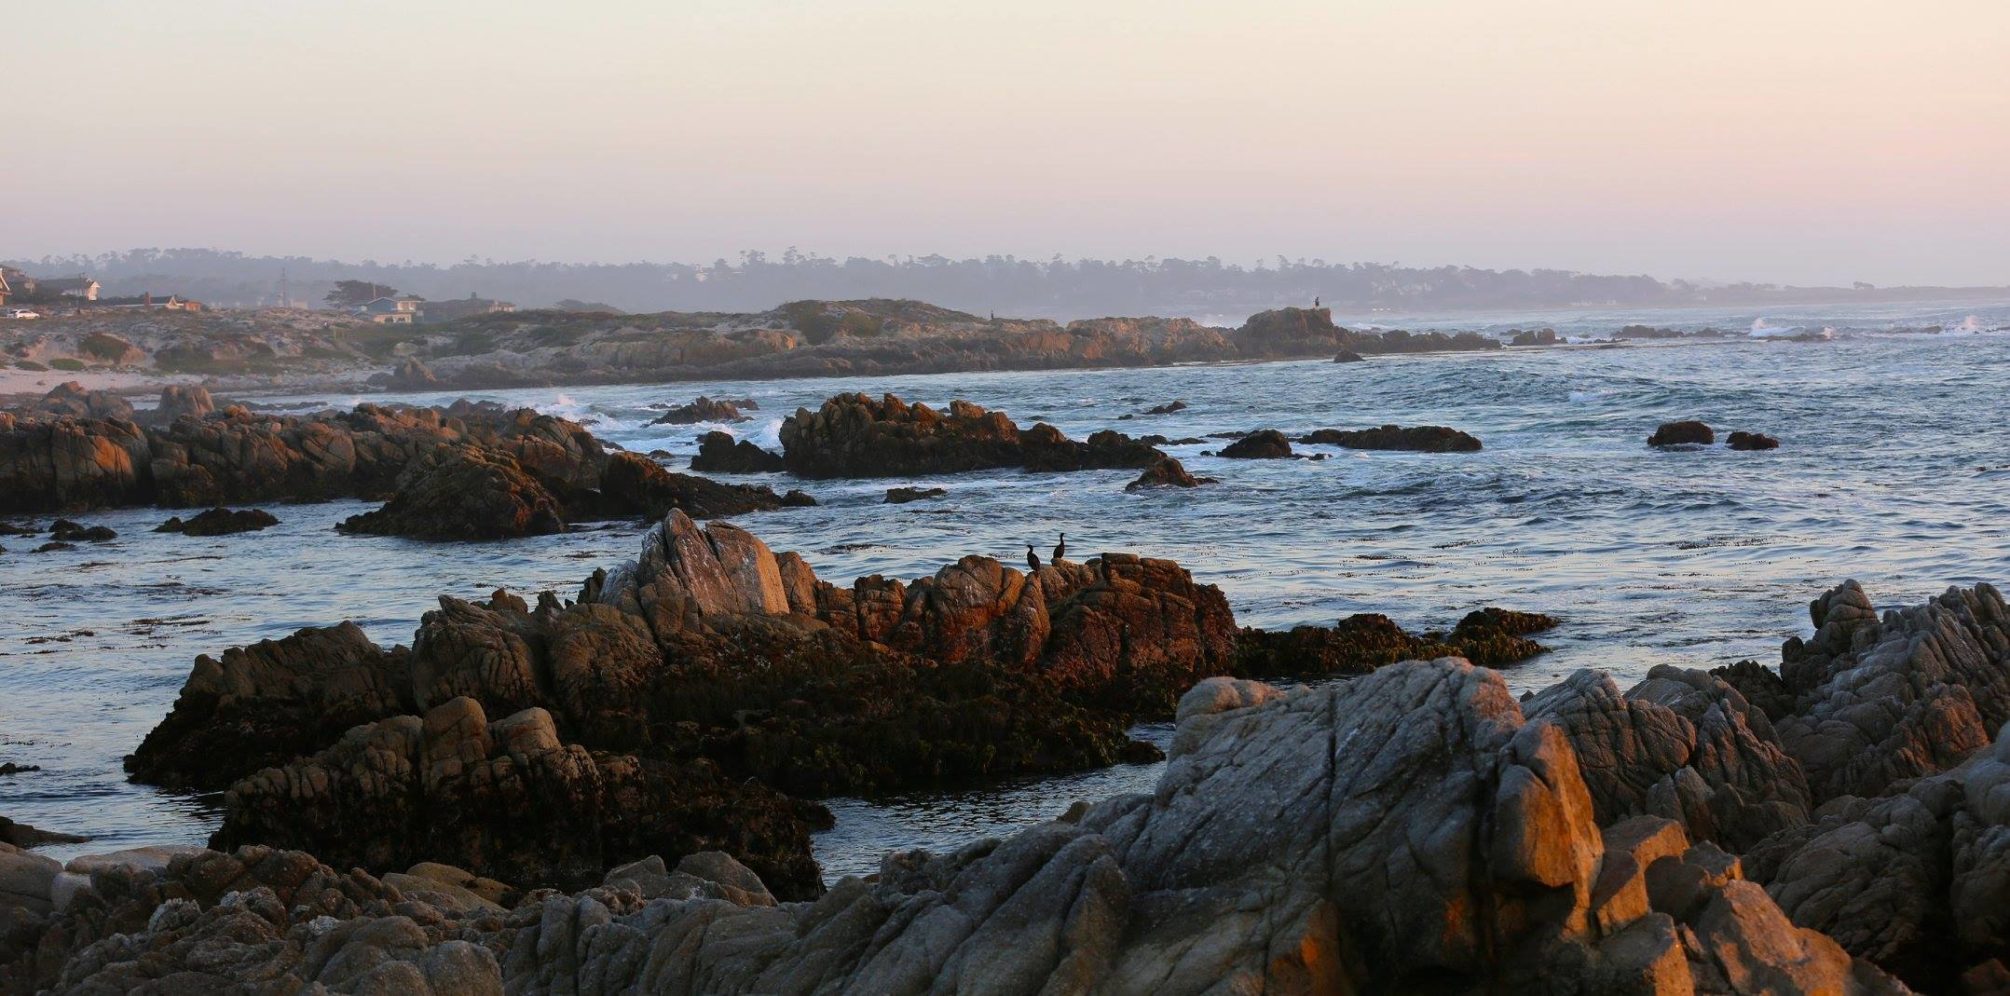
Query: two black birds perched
x,y
1060,550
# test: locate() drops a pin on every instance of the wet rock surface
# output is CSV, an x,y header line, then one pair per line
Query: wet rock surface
x,y
1742,440
1167,473
901,496
1363,642
702,410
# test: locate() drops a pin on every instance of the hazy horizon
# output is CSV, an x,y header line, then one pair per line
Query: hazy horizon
x,y
1802,143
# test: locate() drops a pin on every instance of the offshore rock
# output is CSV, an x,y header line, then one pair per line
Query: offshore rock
x,y
702,410
1363,642
1685,433
1742,440
220,522
720,453
1168,472
1423,438
633,484
901,496
464,494
1263,444
853,435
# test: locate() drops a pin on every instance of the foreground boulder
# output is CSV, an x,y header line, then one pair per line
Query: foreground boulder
x,y
1422,438
853,435
1460,854
509,800
1685,433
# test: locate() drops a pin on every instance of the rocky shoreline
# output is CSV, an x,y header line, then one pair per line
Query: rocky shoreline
x,y
1413,827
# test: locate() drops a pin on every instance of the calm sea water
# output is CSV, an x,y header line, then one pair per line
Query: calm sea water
x,y
1894,469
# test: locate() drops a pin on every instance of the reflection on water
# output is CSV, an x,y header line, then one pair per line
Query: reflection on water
x,y
1891,471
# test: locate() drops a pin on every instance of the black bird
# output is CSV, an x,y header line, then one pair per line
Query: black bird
x,y
1032,559
1061,548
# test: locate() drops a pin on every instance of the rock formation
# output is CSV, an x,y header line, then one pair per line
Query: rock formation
x,y
1363,642
1167,473
1263,444
1422,438
853,435
235,456
901,496
183,401
702,410
1742,440
720,453
1685,433
220,522
1407,830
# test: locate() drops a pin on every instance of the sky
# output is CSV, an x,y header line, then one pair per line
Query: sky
x,y
1796,141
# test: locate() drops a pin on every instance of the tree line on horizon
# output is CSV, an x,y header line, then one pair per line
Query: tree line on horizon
x,y
1004,285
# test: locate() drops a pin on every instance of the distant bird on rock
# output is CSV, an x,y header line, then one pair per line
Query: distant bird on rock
x,y
1061,548
1032,559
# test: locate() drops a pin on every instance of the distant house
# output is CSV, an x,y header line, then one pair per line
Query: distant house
x,y
400,310
147,301
80,287
447,311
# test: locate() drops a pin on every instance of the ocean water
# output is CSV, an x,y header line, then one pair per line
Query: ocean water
x,y
1894,469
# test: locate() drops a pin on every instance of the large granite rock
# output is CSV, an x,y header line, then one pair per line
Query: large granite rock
x,y
1409,830
1881,699
853,435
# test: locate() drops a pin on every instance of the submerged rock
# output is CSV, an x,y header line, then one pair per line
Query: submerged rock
x,y
1423,438
901,496
220,522
65,531
1742,440
1348,356
1685,433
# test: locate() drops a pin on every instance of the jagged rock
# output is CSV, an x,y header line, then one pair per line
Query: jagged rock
x,y
1423,438
220,522
1681,745
464,494
1877,701
263,705
509,800
1685,433
1264,444
184,401
720,453
1742,440
901,496
852,435
1348,356
702,410
1168,472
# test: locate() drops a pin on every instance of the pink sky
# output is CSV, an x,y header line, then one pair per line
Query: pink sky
x,y
1784,140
